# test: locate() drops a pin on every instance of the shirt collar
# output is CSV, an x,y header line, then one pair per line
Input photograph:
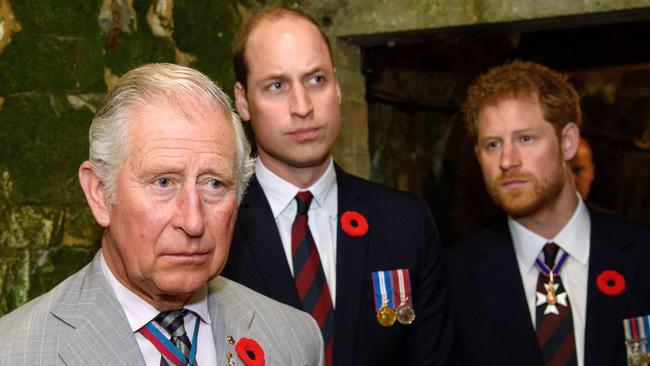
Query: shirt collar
x,y
281,193
139,312
574,238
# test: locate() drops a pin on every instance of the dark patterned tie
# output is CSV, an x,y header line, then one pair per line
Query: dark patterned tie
x,y
554,328
309,275
172,322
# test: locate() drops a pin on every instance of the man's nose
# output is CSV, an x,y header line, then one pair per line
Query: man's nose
x,y
190,214
301,103
510,157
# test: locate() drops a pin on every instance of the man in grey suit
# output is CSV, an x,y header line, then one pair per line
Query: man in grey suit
x,y
168,166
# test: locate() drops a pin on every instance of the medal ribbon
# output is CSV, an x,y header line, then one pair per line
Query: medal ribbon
x,y
401,276
556,268
382,284
167,348
627,327
645,321
642,330
636,334
636,330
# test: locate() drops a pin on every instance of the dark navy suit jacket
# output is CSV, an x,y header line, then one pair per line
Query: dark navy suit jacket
x,y
401,234
493,323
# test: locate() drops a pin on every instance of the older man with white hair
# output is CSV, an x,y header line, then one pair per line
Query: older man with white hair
x,y
168,165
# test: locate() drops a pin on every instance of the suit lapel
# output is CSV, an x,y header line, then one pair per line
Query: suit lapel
x,y
499,280
259,229
226,321
101,335
351,254
604,341
232,315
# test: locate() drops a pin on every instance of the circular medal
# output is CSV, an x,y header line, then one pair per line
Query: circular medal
x,y
386,316
405,314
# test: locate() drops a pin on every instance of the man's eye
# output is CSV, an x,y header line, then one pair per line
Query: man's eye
x,y
526,138
163,182
318,79
275,86
214,184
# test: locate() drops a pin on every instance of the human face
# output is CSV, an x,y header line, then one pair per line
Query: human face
x,y
292,95
170,229
520,155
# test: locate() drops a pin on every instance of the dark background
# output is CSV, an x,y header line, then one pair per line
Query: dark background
x,y
416,83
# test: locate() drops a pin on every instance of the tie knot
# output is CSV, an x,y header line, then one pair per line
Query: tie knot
x,y
550,252
304,200
172,321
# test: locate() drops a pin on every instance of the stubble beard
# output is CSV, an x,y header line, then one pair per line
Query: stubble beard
x,y
531,200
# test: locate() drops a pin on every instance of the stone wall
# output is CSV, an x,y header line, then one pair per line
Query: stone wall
x,y
57,59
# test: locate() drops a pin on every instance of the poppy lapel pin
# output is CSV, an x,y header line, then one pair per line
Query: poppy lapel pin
x,y
354,224
610,283
250,352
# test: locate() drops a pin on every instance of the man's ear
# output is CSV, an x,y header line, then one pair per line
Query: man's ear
x,y
338,87
95,193
241,102
570,140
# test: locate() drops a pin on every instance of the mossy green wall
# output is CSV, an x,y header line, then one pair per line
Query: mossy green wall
x,y
53,74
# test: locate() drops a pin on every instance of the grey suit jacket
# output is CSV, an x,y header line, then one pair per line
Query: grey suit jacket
x,y
80,322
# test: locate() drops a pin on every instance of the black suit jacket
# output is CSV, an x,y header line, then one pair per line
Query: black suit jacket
x,y
401,235
493,324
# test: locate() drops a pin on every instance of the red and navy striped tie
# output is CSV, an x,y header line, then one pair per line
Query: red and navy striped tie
x,y
555,331
309,275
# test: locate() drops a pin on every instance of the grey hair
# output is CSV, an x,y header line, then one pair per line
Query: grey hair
x,y
148,84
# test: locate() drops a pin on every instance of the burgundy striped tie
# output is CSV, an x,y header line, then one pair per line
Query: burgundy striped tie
x,y
554,328
309,275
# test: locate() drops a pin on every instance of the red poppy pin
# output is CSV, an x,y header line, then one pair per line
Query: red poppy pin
x,y
610,282
354,224
250,352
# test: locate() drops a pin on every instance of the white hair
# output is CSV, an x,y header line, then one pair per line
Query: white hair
x,y
149,84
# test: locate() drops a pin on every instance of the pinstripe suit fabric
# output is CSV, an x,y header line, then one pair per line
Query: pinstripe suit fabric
x,y
80,322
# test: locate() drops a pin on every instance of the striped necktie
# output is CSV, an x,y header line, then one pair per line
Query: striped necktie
x,y
172,322
309,276
553,316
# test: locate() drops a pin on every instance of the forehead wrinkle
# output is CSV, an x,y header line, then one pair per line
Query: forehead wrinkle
x,y
194,110
194,146
208,158
174,159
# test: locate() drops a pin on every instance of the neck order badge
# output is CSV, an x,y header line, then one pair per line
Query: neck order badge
x,y
552,297
554,324
393,302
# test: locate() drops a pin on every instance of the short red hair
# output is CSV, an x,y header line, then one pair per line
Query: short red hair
x,y
558,99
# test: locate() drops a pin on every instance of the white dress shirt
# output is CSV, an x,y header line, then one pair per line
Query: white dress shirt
x,y
574,239
322,214
139,313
